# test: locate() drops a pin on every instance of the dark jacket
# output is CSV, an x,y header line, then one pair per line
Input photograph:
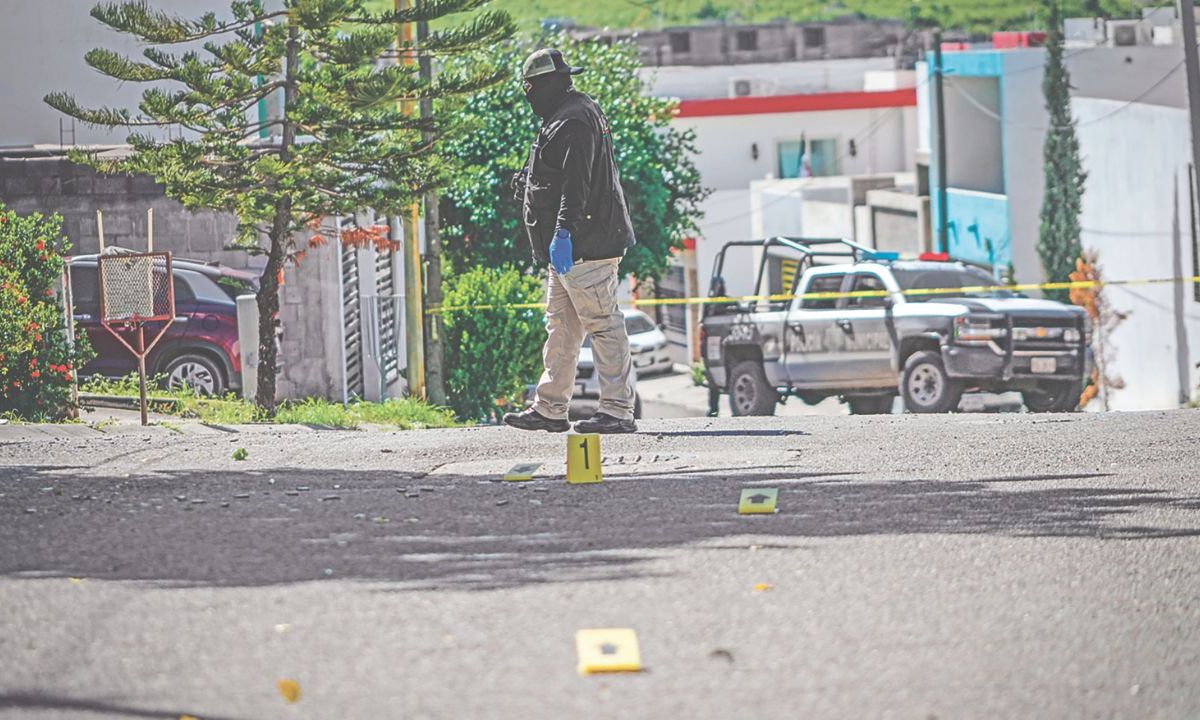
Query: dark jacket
x,y
572,183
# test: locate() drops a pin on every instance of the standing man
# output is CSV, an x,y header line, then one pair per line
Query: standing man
x,y
578,224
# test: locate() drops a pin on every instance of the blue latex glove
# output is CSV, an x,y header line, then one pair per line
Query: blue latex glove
x,y
561,252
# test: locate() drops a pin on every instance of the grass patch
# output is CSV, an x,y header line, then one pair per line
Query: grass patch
x,y
402,413
976,16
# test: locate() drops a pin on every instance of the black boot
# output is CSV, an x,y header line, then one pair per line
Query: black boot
x,y
605,423
531,419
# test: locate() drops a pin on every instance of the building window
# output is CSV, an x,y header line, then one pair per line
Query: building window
x,y
681,42
814,37
747,40
809,158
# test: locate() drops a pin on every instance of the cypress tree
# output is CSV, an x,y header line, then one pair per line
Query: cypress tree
x,y
1058,243
338,143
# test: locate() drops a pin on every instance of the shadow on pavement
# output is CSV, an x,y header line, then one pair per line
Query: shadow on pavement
x,y
471,532
39,701
730,433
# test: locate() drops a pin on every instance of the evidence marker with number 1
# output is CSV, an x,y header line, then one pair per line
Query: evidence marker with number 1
x,y
755,501
583,459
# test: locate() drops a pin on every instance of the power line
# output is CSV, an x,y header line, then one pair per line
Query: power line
x,y
1051,128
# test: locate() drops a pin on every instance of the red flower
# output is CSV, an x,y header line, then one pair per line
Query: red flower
x,y
37,337
40,244
35,374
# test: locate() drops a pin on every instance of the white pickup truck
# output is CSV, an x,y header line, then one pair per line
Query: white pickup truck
x,y
894,338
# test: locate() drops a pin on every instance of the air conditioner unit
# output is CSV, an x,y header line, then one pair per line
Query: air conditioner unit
x,y
1084,32
1127,33
744,87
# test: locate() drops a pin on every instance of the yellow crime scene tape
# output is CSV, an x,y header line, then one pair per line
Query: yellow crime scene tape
x,y
962,290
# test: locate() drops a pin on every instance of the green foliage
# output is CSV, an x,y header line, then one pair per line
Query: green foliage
x,y
401,413
492,353
339,142
36,360
1058,243
975,16
240,454
662,186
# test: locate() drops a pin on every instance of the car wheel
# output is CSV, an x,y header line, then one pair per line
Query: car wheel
x,y
1053,397
870,404
197,373
926,387
749,391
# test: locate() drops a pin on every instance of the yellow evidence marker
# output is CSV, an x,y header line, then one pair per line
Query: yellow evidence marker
x,y
583,459
607,650
758,500
522,472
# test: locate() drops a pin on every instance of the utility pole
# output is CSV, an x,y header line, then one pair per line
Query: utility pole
x,y
414,321
943,210
435,379
1187,14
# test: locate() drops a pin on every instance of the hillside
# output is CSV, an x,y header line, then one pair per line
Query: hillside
x,y
976,16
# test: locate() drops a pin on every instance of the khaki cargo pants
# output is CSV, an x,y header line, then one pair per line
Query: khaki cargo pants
x,y
584,302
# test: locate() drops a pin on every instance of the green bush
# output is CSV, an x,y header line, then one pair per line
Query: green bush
x,y
492,353
37,363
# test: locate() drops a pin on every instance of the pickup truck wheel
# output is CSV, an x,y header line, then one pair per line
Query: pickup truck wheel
x,y
1053,397
925,385
749,391
870,404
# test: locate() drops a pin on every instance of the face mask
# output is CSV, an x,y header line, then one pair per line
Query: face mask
x,y
545,92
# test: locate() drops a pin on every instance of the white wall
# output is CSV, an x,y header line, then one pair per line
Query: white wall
x,y
1136,215
785,78
1100,72
1024,130
726,217
42,44
973,141
885,138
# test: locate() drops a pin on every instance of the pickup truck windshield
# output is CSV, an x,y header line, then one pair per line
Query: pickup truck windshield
x,y
948,278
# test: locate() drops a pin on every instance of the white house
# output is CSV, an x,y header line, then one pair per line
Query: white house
x,y
771,123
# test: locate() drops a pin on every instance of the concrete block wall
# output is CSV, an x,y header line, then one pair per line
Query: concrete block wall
x,y
56,185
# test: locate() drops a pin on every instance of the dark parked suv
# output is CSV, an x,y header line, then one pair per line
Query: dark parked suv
x,y
199,351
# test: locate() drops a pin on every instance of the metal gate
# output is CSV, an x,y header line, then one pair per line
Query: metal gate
x,y
388,309
352,338
673,284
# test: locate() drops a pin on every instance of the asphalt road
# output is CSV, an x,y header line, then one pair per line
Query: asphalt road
x,y
970,566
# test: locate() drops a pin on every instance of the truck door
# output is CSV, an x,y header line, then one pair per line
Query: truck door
x,y
865,342
808,330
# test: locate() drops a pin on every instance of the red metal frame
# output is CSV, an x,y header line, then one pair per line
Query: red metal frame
x,y
139,322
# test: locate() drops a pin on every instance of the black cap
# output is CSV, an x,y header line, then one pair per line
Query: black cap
x,y
546,61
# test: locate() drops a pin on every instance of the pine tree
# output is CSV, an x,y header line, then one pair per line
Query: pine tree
x,y
340,141
1058,243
